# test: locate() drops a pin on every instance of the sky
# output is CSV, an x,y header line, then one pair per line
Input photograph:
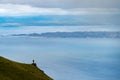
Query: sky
x,y
30,16
67,3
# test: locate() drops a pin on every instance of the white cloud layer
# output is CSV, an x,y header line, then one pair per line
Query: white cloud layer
x,y
21,10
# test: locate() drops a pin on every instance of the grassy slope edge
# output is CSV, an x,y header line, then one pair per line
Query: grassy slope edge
x,y
10,70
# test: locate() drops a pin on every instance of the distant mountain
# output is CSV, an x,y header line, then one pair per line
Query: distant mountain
x,y
99,34
10,70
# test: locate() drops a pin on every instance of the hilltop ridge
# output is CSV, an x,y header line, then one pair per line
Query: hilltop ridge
x,y
11,70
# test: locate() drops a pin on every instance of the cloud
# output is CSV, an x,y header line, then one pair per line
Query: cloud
x,y
68,3
21,10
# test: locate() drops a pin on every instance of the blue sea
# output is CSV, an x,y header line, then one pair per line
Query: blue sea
x,y
67,58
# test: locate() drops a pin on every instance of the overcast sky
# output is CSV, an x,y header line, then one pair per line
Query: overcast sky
x,y
96,15
64,7
68,3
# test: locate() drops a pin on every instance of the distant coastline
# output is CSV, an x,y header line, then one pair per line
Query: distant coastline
x,y
98,34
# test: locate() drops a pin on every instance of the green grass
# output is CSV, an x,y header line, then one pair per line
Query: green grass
x,y
10,70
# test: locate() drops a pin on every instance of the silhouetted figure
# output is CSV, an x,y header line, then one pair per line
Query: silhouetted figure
x,y
34,63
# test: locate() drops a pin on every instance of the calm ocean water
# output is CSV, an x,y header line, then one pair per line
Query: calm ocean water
x,y
67,58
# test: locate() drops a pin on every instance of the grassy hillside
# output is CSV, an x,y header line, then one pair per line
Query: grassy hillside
x,y
10,70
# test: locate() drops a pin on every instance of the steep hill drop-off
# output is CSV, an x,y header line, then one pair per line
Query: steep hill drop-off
x,y
10,70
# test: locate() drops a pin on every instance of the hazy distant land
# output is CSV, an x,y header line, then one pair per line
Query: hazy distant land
x,y
99,34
